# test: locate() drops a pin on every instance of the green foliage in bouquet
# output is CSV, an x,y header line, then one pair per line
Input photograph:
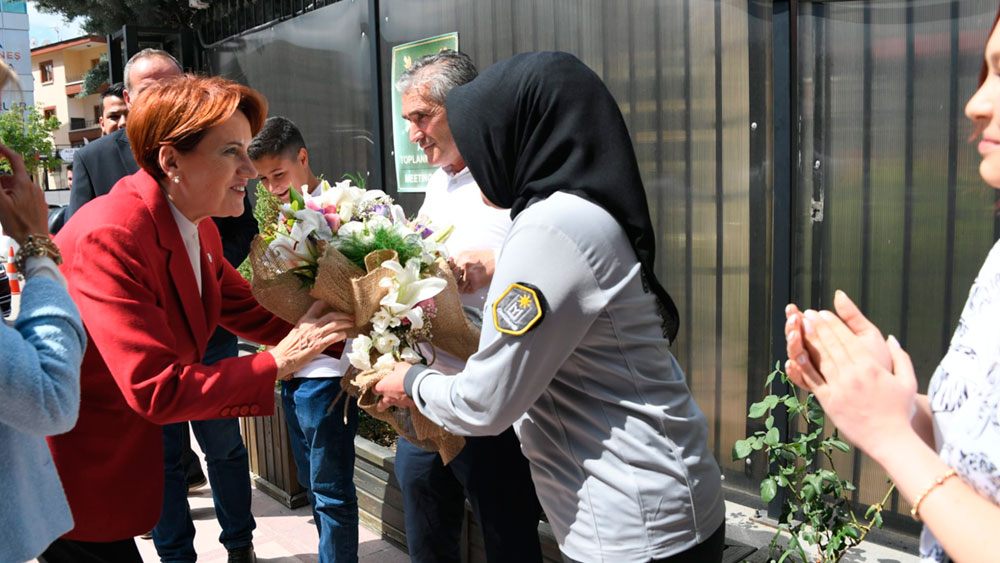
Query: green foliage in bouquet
x,y
817,508
354,248
357,179
267,211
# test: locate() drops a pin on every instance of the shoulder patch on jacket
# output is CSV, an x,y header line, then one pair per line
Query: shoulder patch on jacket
x,y
518,309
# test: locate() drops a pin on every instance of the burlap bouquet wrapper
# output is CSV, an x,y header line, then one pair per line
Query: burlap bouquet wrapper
x,y
451,331
275,288
347,288
407,422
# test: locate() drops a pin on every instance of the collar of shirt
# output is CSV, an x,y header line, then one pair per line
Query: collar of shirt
x,y
456,176
192,243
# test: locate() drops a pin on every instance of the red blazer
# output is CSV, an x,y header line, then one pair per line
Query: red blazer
x,y
130,276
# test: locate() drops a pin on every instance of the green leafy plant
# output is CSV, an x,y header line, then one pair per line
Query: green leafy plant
x,y
816,510
97,76
28,133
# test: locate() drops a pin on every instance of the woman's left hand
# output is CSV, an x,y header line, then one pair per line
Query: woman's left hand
x,y
871,405
22,203
391,388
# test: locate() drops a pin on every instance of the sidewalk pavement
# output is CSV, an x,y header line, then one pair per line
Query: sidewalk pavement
x,y
283,535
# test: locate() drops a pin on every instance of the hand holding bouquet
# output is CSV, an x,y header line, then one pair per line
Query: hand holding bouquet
x,y
355,250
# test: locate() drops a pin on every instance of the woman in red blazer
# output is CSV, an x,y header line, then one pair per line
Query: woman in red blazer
x,y
150,297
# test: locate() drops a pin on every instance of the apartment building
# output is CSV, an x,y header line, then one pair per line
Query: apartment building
x,y
57,72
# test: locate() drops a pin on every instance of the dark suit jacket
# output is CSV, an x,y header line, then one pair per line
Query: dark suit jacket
x,y
98,166
130,276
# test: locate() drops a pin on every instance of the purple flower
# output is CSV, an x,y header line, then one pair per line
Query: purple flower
x,y
423,230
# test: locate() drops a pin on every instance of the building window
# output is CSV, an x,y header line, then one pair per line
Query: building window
x,y
47,74
49,112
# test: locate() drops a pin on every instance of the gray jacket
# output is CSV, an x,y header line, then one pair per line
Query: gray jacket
x,y
617,446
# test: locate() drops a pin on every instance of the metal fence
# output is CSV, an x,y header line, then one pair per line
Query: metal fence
x,y
788,149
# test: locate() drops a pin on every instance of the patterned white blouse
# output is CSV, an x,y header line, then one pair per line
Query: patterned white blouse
x,y
964,396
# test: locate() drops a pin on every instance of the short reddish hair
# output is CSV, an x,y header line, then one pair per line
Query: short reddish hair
x,y
178,112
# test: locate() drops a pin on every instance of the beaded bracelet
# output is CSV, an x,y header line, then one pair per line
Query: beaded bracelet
x,y
915,511
36,245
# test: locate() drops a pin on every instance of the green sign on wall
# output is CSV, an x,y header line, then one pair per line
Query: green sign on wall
x,y
412,170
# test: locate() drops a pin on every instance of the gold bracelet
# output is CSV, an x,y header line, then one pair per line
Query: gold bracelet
x,y
36,245
915,511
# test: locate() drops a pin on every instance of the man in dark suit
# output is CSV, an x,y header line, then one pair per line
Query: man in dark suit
x,y
98,167
100,164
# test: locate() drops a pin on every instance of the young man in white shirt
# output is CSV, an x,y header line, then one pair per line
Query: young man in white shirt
x,y
322,444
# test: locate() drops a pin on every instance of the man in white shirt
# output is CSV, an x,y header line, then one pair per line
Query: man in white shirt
x,y
490,471
322,443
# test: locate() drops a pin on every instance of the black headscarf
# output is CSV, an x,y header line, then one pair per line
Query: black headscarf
x,y
540,123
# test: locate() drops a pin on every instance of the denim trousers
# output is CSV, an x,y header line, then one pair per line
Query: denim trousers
x,y
228,474
323,448
494,475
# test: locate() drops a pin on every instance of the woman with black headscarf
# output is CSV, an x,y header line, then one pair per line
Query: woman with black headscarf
x,y
575,350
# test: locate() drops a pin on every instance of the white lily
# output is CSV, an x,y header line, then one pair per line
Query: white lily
x,y
360,354
346,211
372,195
385,342
379,223
292,253
308,221
408,289
355,229
410,356
385,362
383,320
397,215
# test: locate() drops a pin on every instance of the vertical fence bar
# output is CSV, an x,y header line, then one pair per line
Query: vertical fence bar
x,y
953,119
720,197
867,89
687,313
375,40
784,94
816,161
907,178
759,360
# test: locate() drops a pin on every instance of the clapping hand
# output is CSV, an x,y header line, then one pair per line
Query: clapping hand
x,y
866,385
869,335
22,203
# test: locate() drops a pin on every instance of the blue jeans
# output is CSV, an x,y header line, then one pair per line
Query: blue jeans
x,y
494,475
323,447
228,473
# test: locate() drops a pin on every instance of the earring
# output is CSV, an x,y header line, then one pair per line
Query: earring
x,y
177,179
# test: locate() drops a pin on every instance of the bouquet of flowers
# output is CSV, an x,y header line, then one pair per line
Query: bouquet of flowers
x,y
355,249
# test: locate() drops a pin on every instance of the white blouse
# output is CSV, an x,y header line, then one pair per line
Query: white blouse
x,y
964,396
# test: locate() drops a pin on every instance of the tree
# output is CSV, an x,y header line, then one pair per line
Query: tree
x,y
28,133
106,16
96,77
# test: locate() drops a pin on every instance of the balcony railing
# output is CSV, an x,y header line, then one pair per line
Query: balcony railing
x,y
79,123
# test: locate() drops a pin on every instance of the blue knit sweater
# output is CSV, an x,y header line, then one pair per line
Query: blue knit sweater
x,y
39,396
